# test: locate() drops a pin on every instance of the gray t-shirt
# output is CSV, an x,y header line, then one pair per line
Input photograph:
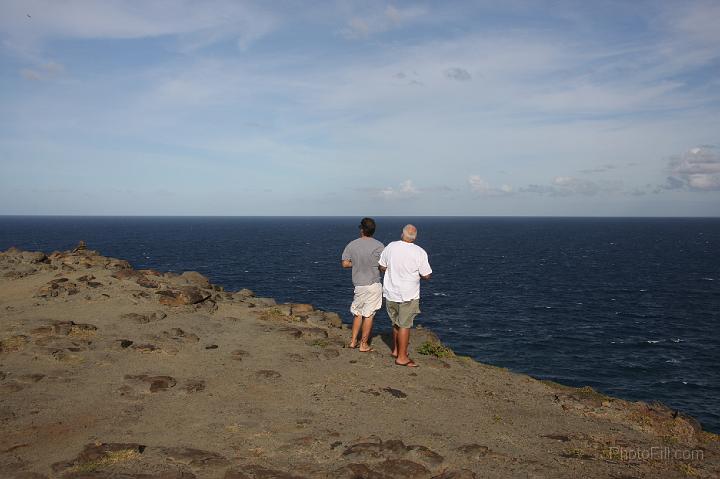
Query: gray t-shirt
x,y
364,254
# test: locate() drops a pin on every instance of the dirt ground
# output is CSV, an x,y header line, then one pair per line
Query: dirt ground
x,y
107,371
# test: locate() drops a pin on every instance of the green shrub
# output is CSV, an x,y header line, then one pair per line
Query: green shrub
x,y
429,348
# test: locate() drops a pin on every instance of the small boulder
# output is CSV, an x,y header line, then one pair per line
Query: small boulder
x,y
333,319
243,294
182,296
195,278
301,309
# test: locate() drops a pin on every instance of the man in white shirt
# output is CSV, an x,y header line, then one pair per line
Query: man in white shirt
x,y
404,264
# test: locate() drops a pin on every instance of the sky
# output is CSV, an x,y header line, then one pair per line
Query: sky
x,y
223,107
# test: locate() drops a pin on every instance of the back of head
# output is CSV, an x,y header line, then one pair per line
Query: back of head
x,y
409,233
367,225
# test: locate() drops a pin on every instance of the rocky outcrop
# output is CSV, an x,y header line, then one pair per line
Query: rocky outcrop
x,y
108,371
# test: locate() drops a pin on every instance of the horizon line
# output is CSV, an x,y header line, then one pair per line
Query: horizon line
x,y
352,216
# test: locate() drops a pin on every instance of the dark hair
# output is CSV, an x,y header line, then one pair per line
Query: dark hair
x,y
367,225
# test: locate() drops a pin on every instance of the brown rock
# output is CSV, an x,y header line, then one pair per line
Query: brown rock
x,y
258,472
144,318
333,319
127,273
301,309
160,383
262,302
474,452
267,374
13,343
314,333
92,453
357,471
183,296
146,348
238,354
456,474
330,353
194,457
402,468
395,393
243,294
425,455
194,385
145,282
364,450
195,278
34,257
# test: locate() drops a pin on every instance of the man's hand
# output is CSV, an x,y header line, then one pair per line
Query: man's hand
x,y
427,276
382,268
346,263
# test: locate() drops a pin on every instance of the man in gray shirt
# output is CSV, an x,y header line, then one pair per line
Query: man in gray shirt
x,y
362,256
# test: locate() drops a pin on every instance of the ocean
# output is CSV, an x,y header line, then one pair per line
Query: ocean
x,y
628,306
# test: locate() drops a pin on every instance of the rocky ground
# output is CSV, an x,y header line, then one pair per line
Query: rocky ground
x,y
108,371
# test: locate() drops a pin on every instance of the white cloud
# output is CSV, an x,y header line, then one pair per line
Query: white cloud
x,y
480,186
696,169
199,22
404,190
572,186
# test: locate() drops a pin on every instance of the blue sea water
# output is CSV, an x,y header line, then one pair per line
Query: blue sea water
x,y
630,307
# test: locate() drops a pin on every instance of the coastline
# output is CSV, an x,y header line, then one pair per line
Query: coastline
x,y
106,369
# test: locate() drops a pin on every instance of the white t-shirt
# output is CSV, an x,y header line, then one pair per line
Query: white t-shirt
x,y
405,263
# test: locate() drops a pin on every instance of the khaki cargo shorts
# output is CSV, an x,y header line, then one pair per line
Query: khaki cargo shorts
x,y
367,300
403,314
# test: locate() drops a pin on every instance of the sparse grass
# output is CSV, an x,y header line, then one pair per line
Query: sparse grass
x,y
81,333
576,453
273,313
435,349
13,343
320,343
709,436
687,469
611,454
110,458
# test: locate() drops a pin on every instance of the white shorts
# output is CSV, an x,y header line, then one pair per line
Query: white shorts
x,y
367,300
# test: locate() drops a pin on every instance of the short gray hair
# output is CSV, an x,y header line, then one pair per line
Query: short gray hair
x,y
409,232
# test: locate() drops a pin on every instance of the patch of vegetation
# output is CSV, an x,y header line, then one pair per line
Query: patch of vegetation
x,y
321,343
81,333
429,348
575,453
687,469
273,313
112,457
611,454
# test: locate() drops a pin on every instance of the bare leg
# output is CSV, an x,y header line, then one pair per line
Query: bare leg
x,y
357,321
395,341
366,328
403,339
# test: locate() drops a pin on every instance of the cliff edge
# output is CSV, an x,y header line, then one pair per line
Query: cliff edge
x,y
108,371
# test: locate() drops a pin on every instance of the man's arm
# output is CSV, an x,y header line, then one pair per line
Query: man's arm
x,y
425,271
382,268
346,263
